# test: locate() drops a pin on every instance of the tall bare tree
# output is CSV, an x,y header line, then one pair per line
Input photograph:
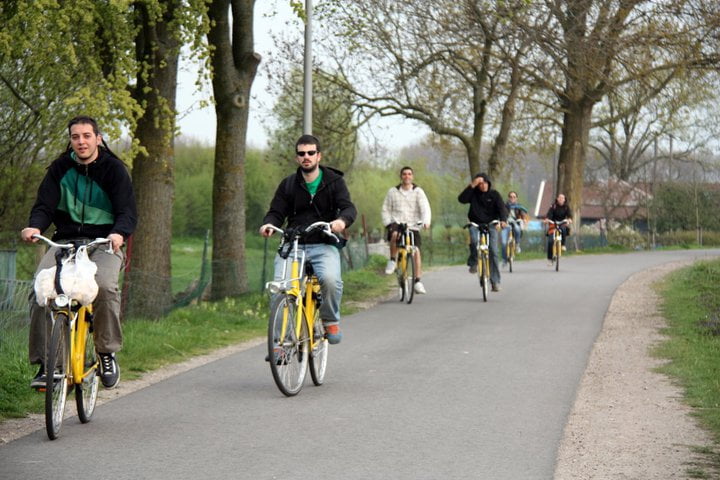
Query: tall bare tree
x,y
453,66
161,24
234,64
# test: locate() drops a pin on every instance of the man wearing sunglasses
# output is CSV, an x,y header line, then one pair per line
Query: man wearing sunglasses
x,y
315,193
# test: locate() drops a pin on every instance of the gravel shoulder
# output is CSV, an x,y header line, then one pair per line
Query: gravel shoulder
x,y
627,422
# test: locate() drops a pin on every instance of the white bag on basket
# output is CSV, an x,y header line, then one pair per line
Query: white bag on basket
x,y
77,279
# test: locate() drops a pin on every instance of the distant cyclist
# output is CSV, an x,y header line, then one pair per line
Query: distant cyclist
x,y
315,193
405,203
517,219
558,212
486,205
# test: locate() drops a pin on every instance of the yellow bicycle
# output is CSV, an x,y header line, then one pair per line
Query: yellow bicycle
x,y
483,255
294,312
71,358
555,232
405,269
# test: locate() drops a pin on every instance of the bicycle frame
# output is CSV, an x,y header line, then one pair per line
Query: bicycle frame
x,y
72,356
557,241
301,288
79,327
406,247
290,351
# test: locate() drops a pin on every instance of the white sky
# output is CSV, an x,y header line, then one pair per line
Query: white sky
x,y
199,123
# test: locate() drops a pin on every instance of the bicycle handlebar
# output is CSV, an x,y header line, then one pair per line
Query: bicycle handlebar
x,y
473,224
322,226
69,246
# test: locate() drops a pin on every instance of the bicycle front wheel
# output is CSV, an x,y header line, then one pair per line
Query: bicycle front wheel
x,y
410,279
86,391
511,254
558,250
288,346
484,274
401,273
57,372
318,357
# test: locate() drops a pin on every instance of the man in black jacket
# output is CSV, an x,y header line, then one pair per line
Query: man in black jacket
x,y
486,205
86,194
315,193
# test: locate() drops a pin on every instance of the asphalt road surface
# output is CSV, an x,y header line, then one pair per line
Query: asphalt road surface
x,y
448,387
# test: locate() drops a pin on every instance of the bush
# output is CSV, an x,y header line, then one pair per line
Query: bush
x,y
626,237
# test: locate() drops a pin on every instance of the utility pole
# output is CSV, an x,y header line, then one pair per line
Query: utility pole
x,y
307,72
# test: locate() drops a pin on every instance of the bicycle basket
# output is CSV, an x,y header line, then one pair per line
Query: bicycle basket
x,y
77,279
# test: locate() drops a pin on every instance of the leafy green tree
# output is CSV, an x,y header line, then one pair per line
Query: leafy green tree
x,y
57,60
334,122
675,205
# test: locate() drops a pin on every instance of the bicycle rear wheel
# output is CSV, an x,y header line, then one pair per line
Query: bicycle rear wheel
x,y
410,279
319,355
288,351
57,370
86,391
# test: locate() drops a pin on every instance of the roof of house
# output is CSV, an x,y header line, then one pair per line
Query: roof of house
x,y
611,199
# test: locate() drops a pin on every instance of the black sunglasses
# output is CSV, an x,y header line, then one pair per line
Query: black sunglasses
x,y
309,153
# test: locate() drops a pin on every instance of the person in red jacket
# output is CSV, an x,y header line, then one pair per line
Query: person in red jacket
x,y
86,194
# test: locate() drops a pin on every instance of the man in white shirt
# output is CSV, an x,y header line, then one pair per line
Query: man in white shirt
x,y
406,203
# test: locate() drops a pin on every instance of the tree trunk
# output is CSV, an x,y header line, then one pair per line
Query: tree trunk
x,y
571,162
234,65
150,294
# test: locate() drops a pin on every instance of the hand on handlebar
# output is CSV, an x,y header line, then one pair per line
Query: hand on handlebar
x,y
267,230
27,234
337,226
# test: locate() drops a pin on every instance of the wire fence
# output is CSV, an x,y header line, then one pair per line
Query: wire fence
x,y
450,248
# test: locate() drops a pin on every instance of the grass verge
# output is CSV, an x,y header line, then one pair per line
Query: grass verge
x,y
691,305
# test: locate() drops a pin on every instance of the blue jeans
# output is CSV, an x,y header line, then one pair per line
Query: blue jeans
x,y
517,232
325,260
494,259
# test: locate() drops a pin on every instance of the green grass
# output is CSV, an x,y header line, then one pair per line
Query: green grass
x,y
691,305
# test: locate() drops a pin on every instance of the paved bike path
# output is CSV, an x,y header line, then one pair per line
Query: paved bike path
x,y
448,387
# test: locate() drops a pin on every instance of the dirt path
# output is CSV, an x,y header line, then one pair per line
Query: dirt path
x,y
627,422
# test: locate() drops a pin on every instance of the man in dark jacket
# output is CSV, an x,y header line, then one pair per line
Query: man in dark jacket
x,y
486,205
86,194
315,193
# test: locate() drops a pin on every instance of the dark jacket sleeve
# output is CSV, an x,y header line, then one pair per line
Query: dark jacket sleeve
x,y
466,195
346,209
279,206
122,197
48,197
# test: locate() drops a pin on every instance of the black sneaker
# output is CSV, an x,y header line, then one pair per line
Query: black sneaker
x,y
40,380
109,370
